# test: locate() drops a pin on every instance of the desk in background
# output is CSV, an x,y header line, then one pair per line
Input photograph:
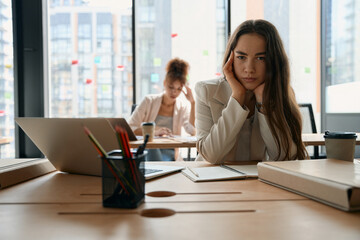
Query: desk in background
x,y
311,139
68,206
3,141
167,142
317,139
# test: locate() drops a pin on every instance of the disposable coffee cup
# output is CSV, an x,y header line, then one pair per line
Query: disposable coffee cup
x,y
340,145
148,128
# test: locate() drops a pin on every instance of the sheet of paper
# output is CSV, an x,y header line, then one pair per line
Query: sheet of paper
x,y
249,170
211,174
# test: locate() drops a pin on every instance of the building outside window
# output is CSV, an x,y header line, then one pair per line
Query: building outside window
x,y
90,74
342,61
6,80
191,30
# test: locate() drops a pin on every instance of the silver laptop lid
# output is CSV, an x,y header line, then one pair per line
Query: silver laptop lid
x,y
64,143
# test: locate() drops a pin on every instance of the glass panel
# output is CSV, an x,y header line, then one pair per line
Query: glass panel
x,y
7,150
298,25
191,30
90,58
342,62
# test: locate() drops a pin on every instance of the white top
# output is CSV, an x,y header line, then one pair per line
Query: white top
x,y
164,121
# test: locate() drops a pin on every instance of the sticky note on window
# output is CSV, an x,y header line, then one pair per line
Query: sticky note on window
x,y
154,78
8,95
97,59
205,53
105,88
307,70
157,62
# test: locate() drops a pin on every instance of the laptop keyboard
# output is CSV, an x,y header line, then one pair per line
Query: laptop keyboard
x,y
150,170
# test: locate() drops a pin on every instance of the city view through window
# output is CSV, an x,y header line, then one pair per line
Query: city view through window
x,y
90,52
90,58
6,80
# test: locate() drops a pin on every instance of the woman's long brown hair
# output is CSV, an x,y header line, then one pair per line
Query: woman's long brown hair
x,y
282,110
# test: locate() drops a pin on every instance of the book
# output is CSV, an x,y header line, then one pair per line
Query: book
x,y
221,172
13,171
329,181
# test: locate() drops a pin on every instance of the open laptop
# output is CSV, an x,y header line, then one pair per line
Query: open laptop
x,y
65,144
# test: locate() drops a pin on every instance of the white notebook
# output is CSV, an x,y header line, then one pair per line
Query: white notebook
x,y
222,172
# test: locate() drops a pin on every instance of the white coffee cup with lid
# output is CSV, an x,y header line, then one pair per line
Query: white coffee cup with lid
x,y
340,145
148,128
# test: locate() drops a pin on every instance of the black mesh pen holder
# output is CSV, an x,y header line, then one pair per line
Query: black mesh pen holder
x,y
123,182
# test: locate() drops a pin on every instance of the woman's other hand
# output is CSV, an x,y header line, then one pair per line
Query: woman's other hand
x,y
238,90
162,131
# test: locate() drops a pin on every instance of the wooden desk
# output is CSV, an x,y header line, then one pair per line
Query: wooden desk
x,y
309,139
317,139
67,206
166,143
3,141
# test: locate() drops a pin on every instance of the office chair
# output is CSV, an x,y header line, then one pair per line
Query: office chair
x,y
309,126
133,108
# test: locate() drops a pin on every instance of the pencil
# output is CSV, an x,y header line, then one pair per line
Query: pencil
x,y
103,153
193,171
97,145
124,142
118,136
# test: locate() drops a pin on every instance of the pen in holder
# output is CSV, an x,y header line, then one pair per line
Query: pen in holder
x,y
123,182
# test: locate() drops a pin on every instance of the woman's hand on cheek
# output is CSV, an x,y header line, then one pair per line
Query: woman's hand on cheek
x,y
188,94
238,90
258,91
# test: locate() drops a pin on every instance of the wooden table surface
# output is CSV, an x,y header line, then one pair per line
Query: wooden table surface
x,y
167,143
317,139
309,139
68,206
5,140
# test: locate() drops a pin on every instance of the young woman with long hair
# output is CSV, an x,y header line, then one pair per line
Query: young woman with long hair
x,y
251,113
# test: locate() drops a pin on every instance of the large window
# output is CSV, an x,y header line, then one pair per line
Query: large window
x,y
191,30
6,80
90,69
298,23
342,61
91,48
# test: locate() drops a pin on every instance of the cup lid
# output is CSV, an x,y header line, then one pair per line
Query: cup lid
x,y
148,124
340,135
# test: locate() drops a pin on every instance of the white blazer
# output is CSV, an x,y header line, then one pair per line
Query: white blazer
x,y
219,119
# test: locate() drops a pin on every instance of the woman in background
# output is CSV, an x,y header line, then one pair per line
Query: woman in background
x,y
251,113
167,110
